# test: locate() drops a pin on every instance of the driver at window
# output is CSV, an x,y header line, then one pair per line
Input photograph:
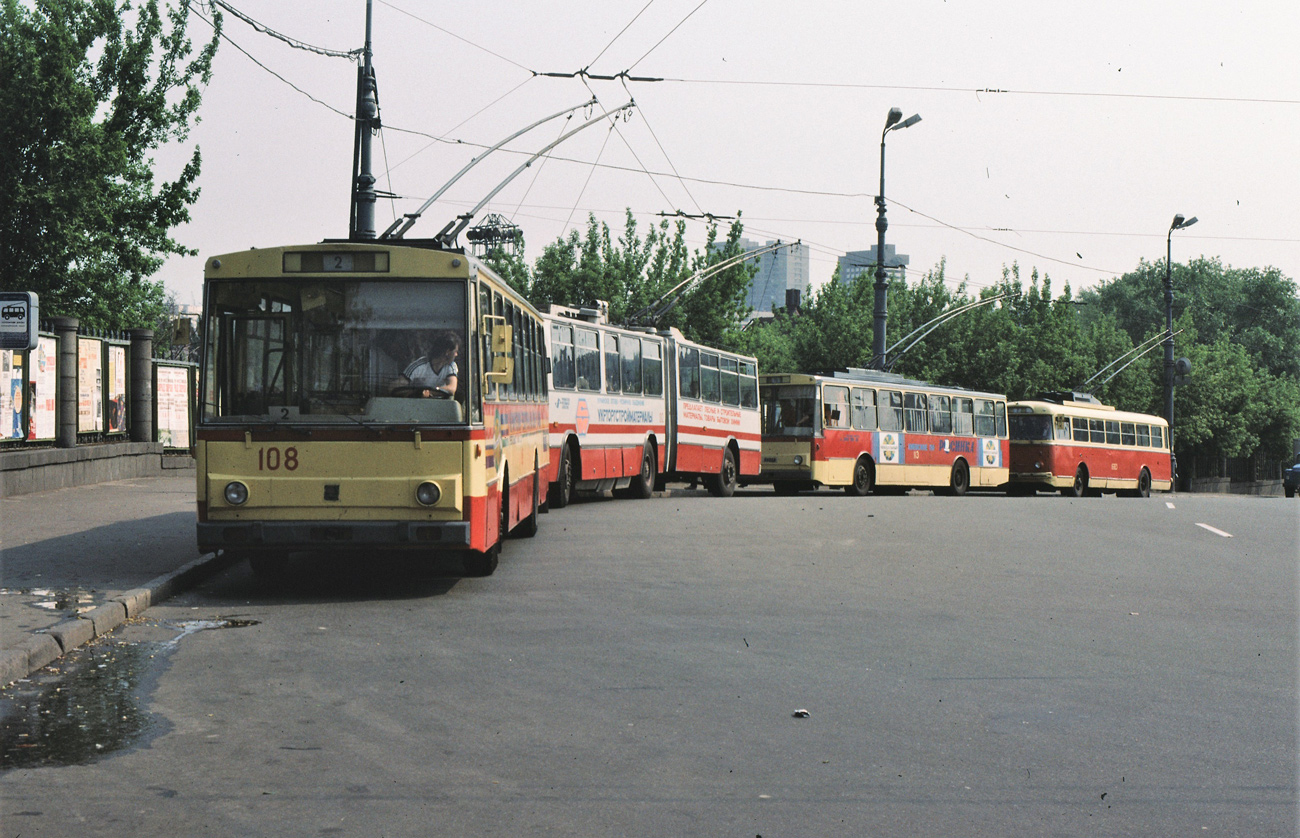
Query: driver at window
x,y
436,369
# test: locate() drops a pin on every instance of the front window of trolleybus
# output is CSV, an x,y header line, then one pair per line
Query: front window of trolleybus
x,y
335,351
789,409
1032,427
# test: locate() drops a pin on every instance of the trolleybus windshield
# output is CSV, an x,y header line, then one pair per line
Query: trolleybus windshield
x,y
331,350
1037,426
789,409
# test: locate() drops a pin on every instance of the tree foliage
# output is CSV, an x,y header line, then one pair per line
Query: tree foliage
x,y
85,99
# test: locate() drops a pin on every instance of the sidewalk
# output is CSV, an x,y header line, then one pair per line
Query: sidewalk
x,y
76,562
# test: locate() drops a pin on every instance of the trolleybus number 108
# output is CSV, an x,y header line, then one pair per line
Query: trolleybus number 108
x,y
268,459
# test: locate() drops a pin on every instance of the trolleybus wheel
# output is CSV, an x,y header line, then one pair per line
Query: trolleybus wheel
x,y
723,484
785,487
1079,486
960,480
862,479
643,485
561,491
1144,484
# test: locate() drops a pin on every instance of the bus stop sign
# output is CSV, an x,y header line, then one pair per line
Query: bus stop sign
x,y
19,319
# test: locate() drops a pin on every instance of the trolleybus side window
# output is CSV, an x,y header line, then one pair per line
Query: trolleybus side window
x,y
914,412
562,364
630,349
940,415
985,421
728,374
748,384
1144,436
1127,433
653,364
835,407
709,385
1000,415
891,410
1096,430
1062,425
1080,429
1157,437
963,416
587,359
612,364
864,409
1112,432
688,364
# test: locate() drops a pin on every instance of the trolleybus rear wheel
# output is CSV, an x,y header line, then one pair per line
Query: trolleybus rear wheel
x,y
643,485
1144,484
1079,486
561,491
863,478
723,484
960,480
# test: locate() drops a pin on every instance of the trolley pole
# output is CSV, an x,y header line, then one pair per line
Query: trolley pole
x,y
880,316
1178,224
363,184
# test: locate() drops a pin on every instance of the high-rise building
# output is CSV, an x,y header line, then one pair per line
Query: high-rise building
x,y
778,272
857,262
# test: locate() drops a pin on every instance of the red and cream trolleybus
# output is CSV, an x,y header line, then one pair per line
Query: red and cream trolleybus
x,y
863,429
1075,444
633,409
366,395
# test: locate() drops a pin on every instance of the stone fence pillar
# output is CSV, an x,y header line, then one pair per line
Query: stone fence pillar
x,y
141,396
65,405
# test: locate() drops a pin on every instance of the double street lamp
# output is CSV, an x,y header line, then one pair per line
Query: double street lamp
x,y
1179,223
893,122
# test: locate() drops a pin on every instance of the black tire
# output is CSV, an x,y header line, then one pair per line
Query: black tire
x,y
643,485
723,484
1079,486
1144,484
959,482
561,491
785,487
864,479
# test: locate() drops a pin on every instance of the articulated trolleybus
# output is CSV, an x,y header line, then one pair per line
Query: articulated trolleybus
x,y
632,409
1075,444
863,429
318,430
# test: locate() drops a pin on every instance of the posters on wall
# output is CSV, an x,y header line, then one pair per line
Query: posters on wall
x,y
172,398
90,386
116,389
42,378
11,394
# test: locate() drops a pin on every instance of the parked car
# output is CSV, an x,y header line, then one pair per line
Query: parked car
x,y
1291,478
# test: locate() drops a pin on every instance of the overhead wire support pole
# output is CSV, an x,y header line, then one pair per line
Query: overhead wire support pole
x,y
449,233
887,363
410,218
362,225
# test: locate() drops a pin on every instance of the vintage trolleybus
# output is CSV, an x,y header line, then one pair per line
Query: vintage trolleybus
x,y
863,429
1075,444
318,429
632,409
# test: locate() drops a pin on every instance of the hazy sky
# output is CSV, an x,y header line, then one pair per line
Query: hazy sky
x,y
1062,136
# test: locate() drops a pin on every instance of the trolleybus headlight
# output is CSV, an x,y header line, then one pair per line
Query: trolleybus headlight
x,y
1038,466
236,493
798,459
428,493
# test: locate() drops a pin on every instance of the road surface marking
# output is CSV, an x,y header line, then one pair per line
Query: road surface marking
x,y
1168,504
1215,530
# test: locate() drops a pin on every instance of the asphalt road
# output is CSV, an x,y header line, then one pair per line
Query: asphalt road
x,y
977,666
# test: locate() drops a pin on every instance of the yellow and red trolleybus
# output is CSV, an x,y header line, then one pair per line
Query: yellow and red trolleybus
x,y
1075,444
310,435
630,409
863,429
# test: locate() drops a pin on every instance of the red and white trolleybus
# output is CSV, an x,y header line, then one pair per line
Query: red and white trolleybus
x,y
863,429
1073,443
633,409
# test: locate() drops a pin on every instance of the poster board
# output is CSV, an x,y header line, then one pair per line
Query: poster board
x,y
172,402
42,382
90,385
116,403
11,394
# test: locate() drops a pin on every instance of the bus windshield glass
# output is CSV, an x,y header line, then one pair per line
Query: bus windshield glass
x,y
1031,427
335,351
789,410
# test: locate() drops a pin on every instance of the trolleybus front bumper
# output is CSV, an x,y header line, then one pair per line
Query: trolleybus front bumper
x,y
326,535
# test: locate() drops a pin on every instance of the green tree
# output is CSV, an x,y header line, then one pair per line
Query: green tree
x,y
85,99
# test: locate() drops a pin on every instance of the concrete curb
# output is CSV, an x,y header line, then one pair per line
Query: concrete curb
x,y
39,649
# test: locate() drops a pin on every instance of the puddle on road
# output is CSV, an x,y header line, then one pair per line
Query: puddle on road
x,y
91,702
70,601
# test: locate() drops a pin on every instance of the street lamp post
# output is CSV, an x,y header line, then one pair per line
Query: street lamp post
x,y
1178,224
892,123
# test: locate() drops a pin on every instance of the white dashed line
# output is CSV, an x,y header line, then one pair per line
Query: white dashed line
x,y
1215,530
1168,504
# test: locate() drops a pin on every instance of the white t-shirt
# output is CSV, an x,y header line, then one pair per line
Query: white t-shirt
x,y
422,374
